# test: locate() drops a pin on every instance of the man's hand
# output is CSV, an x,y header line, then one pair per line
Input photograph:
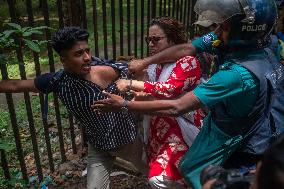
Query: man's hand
x,y
136,66
111,104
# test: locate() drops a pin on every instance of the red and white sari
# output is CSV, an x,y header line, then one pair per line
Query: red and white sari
x,y
169,138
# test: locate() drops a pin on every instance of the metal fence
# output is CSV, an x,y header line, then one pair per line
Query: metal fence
x,y
118,28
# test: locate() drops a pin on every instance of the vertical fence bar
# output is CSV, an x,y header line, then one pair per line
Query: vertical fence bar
x,y
173,8
4,164
148,22
26,94
14,124
189,4
72,133
41,97
153,8
160,7
142,28
95,22
104,28
60,13
191,16
84,19
113,29
128,29
83,16
169,7
135,27
177,9
75,12
181,10
52,69
121,27
184,12
165,8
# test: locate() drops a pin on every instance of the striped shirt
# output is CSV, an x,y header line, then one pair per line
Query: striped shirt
x,y
104,131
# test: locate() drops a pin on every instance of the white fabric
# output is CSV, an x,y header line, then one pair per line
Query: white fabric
x,y
162,182
189,131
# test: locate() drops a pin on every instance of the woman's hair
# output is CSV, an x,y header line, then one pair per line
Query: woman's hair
x,y
174,30
271,172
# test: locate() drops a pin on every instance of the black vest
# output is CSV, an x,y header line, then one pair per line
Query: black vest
x,y
266,120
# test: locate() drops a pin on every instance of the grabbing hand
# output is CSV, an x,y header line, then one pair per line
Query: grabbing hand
x,y
136,66
142,96
123,85
111,104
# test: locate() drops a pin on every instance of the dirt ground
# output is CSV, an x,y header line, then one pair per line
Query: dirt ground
x,y
124,180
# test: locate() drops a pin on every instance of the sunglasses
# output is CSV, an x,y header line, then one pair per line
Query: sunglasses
x,y
153,39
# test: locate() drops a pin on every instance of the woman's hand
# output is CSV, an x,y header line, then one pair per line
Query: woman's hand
x,y
123,85
111,104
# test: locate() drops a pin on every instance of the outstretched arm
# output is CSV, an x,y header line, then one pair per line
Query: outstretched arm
x,y
170,54
176,107
17,86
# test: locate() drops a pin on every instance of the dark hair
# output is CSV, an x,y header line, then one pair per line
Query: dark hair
x,y
65,38
174,30
271,172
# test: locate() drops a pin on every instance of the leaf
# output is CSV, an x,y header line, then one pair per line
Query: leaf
x,y
43,42
32,45
7,33
6,146
25,29
39,28
29,33
14,25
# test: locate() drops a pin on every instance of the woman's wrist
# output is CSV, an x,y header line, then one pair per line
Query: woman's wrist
x,y
137,85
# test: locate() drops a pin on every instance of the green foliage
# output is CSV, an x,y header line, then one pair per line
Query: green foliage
x,y
6,145
15,182
24,34
6,41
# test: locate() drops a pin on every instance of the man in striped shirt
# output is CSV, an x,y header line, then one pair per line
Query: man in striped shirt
x,y
80,83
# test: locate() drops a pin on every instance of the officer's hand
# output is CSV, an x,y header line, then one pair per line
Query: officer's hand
x,y
136,66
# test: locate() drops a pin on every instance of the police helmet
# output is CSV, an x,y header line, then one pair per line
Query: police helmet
x,y
251,21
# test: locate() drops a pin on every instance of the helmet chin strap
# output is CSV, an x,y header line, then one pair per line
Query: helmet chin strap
x,y
249,12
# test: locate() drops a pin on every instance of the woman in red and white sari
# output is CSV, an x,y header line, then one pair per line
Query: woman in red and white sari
x,y
167,139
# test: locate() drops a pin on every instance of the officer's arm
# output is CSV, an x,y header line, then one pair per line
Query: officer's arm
x,y
176,107
170,54
16,86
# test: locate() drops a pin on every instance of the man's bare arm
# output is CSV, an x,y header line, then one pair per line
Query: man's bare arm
x,y
170,54
17,86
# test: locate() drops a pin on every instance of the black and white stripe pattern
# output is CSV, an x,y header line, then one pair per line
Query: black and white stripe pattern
x,y
104,131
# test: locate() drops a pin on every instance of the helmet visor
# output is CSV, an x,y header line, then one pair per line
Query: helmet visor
x,y
217,11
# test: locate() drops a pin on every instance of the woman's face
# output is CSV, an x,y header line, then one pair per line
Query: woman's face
x,y
157,40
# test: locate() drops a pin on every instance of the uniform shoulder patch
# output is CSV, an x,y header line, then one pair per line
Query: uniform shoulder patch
x,y
208,38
